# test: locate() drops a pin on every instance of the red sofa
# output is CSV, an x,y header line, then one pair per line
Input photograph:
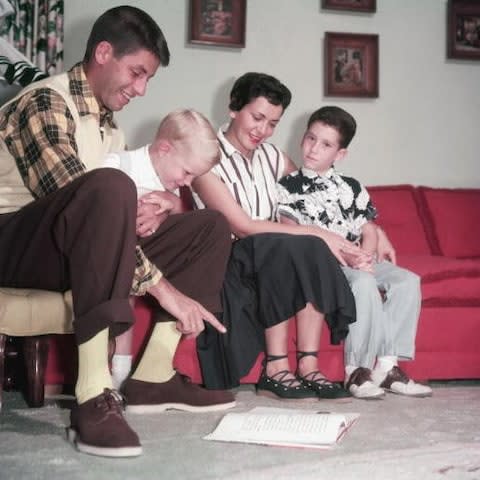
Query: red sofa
x,y
436,233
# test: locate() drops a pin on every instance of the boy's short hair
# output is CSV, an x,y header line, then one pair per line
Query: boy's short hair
x,y
253,85
128,29
337,118
191,128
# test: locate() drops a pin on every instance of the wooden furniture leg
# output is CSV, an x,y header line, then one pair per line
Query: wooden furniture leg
x,y
35,351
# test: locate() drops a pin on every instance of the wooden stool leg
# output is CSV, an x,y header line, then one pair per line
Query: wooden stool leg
x,y
3,341
35,350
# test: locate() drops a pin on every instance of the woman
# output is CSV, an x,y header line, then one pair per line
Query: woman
x,y
276,271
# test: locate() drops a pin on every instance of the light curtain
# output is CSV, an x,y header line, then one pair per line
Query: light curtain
x,y
36,30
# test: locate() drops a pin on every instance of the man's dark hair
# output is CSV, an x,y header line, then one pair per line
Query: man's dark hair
x,y
128,29
252,85
338,119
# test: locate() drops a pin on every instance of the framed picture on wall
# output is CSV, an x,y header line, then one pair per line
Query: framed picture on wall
x,y
352,5
218,22
351,64
463,29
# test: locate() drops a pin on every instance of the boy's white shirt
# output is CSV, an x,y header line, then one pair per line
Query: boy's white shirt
x,y
137,164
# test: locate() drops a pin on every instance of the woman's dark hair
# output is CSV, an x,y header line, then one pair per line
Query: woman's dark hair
x,y
128,29
252,85
338,119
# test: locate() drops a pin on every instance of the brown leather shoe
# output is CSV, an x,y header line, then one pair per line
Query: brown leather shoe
x,y
177,393
97,427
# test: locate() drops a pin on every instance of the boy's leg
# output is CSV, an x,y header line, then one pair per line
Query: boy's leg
x,y
365,336
82,237
191,250
402,309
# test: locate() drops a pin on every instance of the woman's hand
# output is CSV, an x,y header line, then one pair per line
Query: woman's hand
x,y
364,263
345,252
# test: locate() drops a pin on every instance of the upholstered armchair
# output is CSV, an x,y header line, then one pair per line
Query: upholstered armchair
x,y
33,315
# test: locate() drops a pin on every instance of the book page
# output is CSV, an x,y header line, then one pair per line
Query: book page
x,y
276,426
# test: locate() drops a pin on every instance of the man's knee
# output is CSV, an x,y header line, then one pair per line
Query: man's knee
x,y
111,187
216,223
112,180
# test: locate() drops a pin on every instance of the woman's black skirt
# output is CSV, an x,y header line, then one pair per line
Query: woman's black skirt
x,y
270,277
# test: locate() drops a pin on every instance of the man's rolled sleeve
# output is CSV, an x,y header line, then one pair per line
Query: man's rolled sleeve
x,y
146,274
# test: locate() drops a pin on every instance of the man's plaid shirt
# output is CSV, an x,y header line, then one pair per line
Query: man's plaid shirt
x,y
39,131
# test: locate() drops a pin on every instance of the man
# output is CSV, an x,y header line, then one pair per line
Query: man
x,y
65,225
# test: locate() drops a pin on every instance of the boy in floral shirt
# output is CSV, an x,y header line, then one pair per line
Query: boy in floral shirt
x,y
386,323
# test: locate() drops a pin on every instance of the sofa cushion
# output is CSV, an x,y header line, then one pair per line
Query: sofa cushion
x,y
445,281
398,214
453,216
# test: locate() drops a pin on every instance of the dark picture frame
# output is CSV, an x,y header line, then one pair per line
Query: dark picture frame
x,y
351,64
351,5
218,22
463,29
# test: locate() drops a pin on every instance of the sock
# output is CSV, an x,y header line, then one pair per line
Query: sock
x,y
386,363
121,365
156,364
93,372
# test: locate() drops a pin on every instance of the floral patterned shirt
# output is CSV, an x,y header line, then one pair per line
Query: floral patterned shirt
x,y
333,201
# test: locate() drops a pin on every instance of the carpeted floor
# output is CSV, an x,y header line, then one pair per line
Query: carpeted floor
x,y
395,438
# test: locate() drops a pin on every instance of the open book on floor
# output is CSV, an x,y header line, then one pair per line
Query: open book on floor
x,y
284,427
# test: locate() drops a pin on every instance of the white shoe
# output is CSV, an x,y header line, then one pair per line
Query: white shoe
x,y
360,385
396,381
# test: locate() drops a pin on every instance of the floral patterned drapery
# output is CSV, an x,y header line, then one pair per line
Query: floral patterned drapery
x,y
36,30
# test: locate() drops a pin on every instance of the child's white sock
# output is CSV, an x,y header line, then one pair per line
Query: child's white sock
x,y
386,363
121,366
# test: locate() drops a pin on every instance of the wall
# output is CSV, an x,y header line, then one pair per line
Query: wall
x,y
423,128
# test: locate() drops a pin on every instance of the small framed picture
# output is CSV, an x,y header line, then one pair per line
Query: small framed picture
x,y
351,64
352,5
218,22
463,29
